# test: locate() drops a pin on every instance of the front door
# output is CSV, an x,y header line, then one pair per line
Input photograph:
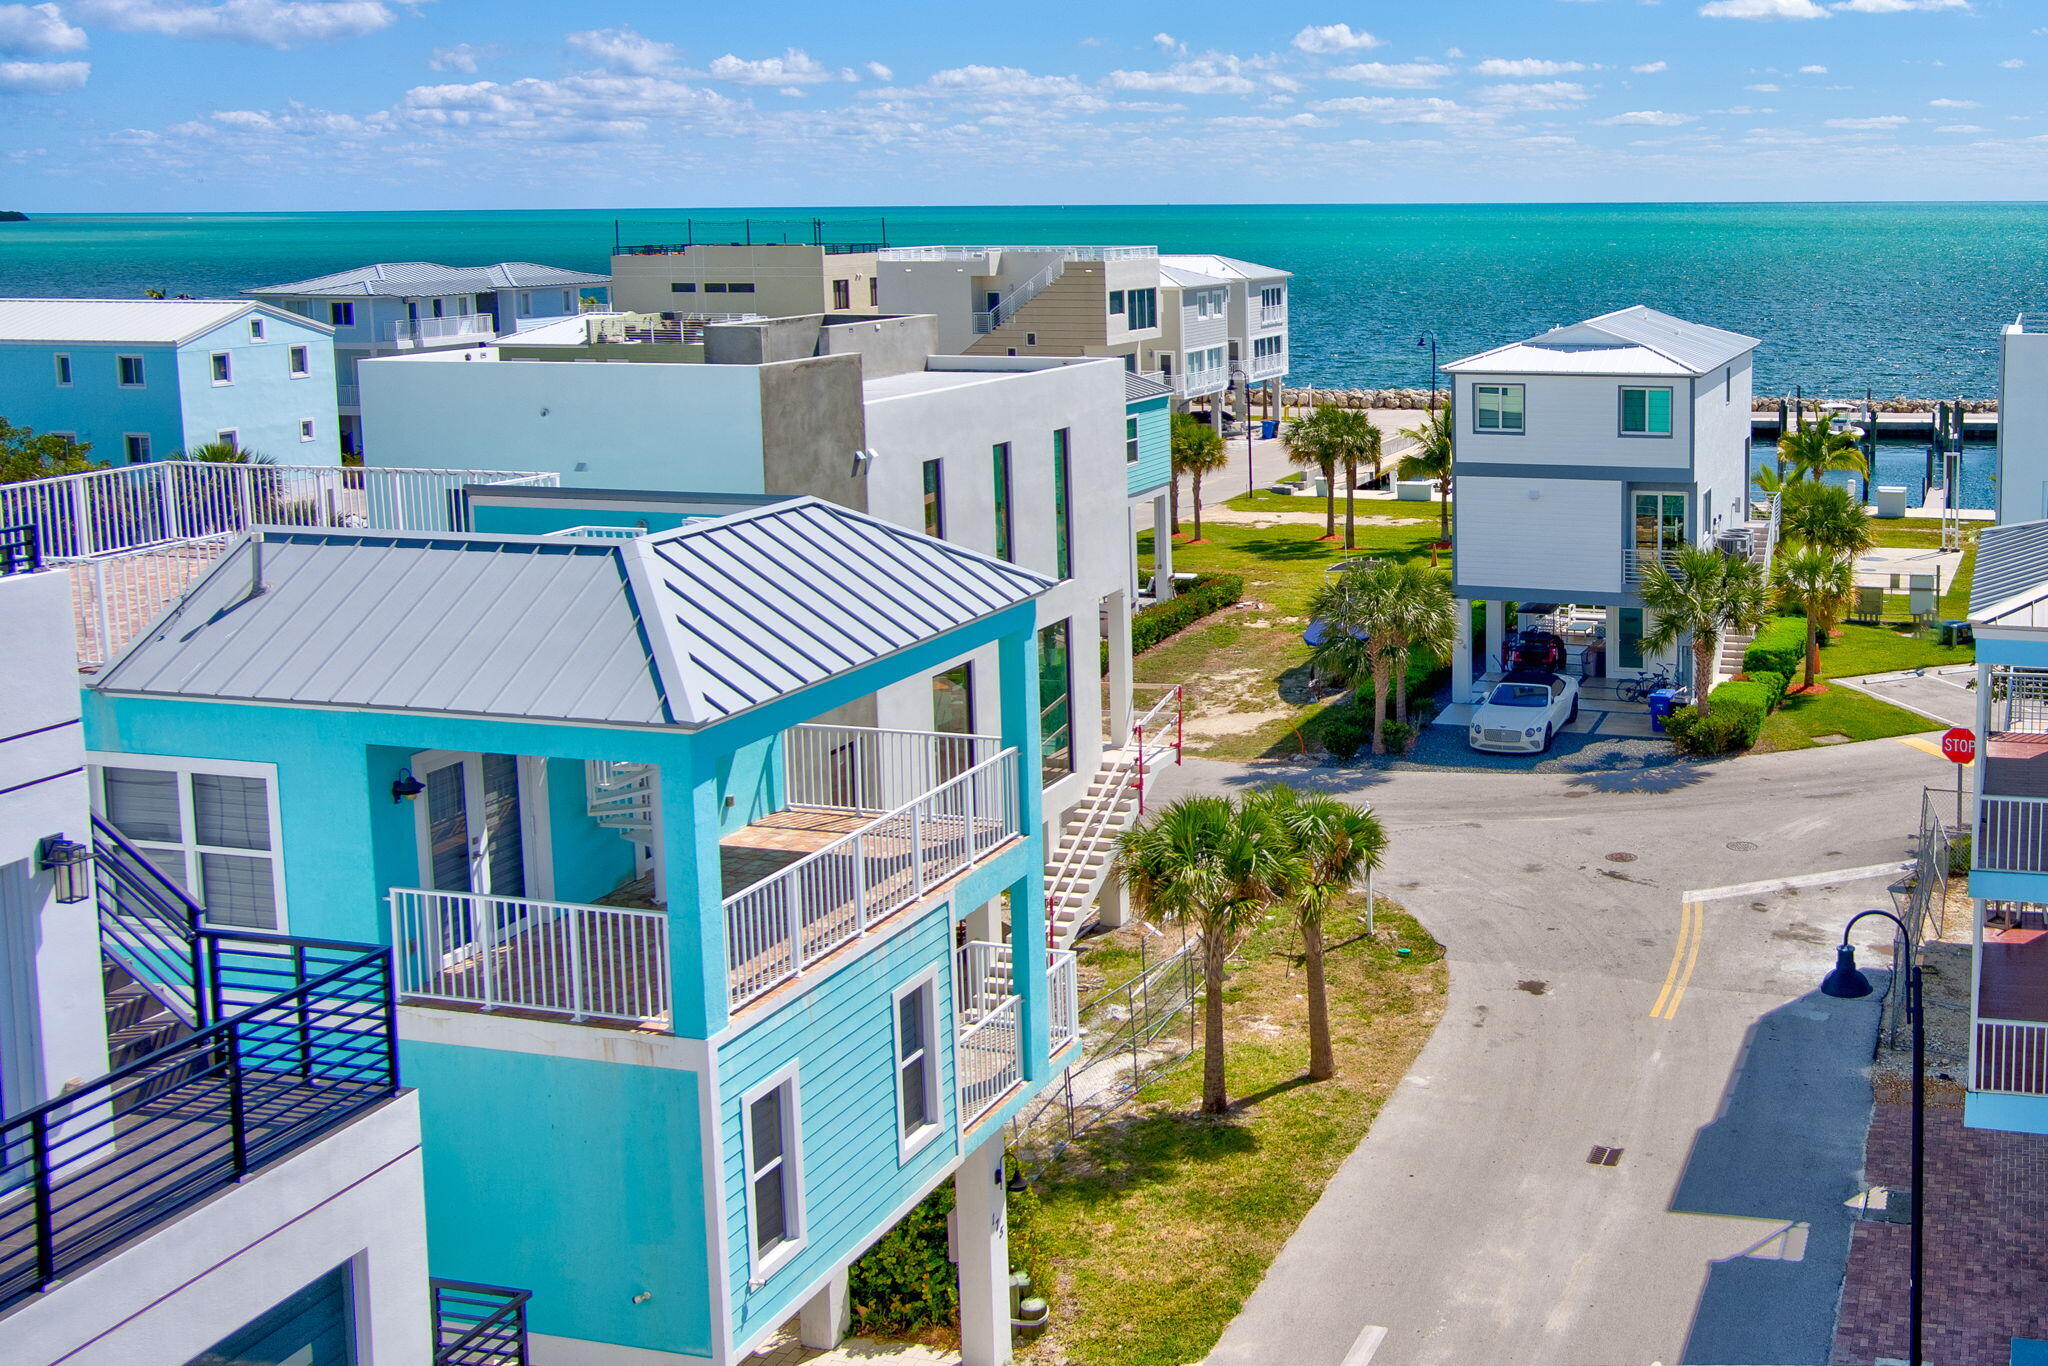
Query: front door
x,y
471,824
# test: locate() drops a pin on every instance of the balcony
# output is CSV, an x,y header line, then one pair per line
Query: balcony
x,y
2009,1043
1195,383
348,396
987,1038
1268,367
409,334
1272,315
1635,564
479,1325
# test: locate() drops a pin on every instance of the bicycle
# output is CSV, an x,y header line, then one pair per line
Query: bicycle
x,y
1638,689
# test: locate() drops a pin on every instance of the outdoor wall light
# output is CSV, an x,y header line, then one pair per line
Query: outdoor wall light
x,y
71,863
405,787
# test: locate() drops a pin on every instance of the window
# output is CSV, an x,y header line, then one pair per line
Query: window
x,y
341,314
1166,364
774,1189
1272,297
1062,507
305,429
255,329
934,499
223,368
525,302
1055,703
710,288
1130,441
568,301
228,436
1201,302
1268,346
1497,408
212,831
130,371
1141,308
135,445
1660,522
301,362
953,700
1001,461
312,1327
63,372
438,309
1031,339
874,292
1116,301
842,294
917,1065
683,287
1645,412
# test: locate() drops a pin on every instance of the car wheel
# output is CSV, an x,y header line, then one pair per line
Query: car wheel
x,y
1549,734
1575,712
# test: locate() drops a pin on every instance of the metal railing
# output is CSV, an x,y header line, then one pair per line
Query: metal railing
x,y
1069,872
2019,700
594,532
348,395
479,1325
1063,1000
858,768
1066,253
2010,1056
1016,297
2012,835
1771,528
835,237
984,978
1267,366
780,925
554,957
1635,564
1272,313
988,1060
410,332
113,597
21,550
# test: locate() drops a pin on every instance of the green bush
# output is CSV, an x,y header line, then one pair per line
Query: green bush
x,y
1763,690
1732,723
1163,620
1780,648
904,1283
1959,855
1346,730
1399,735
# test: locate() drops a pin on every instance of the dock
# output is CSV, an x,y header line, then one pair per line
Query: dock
x,y
1896,426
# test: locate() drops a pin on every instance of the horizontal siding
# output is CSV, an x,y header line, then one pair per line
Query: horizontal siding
x,y
1068,314
1573,420
1568,538
1155,446
840,1034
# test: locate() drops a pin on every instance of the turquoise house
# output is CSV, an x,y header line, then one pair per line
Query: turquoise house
x,y
143,379
700,990
1148,468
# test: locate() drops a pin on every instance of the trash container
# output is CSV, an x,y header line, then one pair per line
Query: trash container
x,y
1663,702
1956,632
1269,429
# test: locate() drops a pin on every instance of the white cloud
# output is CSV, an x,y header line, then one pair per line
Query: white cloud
x,y
1166,42
793,67
1762,9
880,72
42,78
1390,109
1522,68
1953,104
1897,6
264,23
979,81
463,57
1257,123
1646,118
1650,68
1762,89
1814,70
38,31
1876,124
1334,38
624,49
1185,78
1393,75
1959,128
2013,63
1546,95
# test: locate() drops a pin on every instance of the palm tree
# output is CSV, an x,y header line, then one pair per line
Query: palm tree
x,y
1814,449
1825,517
1699,594
1358,442
1311,443
1332,842
1818,582
1431,460
224,453
1197,450
1211,865
1362,615
1427,622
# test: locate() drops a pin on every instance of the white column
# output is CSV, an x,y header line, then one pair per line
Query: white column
x,y
1162,548
985,923
1496,629
981,1237
1119,615
1131,549
1113,903
825,1317
1461,655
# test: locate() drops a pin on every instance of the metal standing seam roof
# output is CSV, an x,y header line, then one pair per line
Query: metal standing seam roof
x,y
1189,279
135,321
1225,267
1693,348
2010,583
1137,387
685,627
414,279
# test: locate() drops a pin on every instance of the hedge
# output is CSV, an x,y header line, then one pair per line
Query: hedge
x,y
1164,620
1735,716
1780,648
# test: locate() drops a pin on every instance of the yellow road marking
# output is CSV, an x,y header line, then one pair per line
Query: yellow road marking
x,y
1927,746
1692,958
1691,921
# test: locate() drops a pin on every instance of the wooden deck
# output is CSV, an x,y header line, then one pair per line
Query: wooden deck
x,y
2016,765
2012,981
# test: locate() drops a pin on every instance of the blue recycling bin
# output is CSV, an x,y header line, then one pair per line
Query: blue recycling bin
x,y
1269,429
1663,702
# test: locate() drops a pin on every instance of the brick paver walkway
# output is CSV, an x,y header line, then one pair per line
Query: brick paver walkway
x,y
1986,1250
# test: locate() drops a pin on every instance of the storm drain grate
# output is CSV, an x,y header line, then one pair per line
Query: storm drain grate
x,y
1603,1157
1621,858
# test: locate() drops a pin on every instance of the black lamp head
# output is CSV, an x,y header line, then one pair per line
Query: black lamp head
x,y
1845,982
405,786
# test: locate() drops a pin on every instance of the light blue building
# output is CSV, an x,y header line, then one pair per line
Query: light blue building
x,y
142,379
1148,469
700,991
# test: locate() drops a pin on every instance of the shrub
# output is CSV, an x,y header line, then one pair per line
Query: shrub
x,y
1399,735
1735,718
1346,730
1780,648
1163,620
1959,855
905,1284
1763,690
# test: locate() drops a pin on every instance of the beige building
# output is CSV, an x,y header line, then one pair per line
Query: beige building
x,y
749,268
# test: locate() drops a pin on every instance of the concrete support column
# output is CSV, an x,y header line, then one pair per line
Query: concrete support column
x,y
1162,548
1119,624
826,1317
1131,550
1461,654
1113,904
981,1238
1496,630
985,922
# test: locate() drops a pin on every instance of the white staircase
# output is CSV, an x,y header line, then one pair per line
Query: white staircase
x,y
1081,856
1763,545
621,797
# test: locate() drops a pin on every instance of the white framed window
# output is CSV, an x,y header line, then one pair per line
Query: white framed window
x,y
210,825
63,436
228,436
1201,303
569,300
63,371
1130,441
301,361
305,429
526,302
771,1132
341,314
255,329
223,368
1497,408
919,1107
1645,410
129,370
135,445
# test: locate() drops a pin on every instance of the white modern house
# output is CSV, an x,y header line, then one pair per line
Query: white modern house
x,y
1255,311
2022,490
1587,453
395,307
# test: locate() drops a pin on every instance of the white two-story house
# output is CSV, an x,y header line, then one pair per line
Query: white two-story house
x,y
1587,453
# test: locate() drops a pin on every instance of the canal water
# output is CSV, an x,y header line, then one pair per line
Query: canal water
x,y
1905,463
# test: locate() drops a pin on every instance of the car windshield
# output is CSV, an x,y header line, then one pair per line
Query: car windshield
x,y
1520,695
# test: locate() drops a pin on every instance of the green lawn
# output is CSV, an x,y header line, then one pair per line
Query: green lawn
x,y
1839,711
1859,650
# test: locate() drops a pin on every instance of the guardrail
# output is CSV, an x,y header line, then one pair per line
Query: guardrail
x,y
780,925
405,333
859,768
1272,313
479,1325
1016,297
2010,1056
555,957
988,1061
1635,564
1267,367
21,550
1199,381
1063,999
348,395
1066,253
2012,835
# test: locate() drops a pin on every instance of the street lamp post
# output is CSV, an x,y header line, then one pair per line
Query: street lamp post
x,y
1238,376
1429,339
1847,982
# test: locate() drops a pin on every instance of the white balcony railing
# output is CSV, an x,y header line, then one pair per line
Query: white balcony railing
x,y
554,957
855,768
348,395
1635,564
1268,367
408,333
2009,1056
2012,835
780,925
966,253
1193,383
1063,999
592,532
984,977
1271,314
988,1060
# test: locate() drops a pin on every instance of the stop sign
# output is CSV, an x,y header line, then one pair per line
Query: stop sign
x,y
1959,745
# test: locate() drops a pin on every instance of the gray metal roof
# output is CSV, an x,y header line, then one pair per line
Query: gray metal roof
x,y
2011,577
684,627
135,321
1137,386
418,279
1694,348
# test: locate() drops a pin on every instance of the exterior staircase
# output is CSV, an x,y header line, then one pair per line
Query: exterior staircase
x,y
621,797
1080,860
137,1022
1763,545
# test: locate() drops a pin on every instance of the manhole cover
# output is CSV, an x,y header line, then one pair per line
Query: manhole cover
x,y
1621,858
1743,846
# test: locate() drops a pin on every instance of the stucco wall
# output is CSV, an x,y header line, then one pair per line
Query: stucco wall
x,y
265,404
95,408
2023,426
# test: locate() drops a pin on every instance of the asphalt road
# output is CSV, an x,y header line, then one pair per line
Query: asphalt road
x,y
1596,1002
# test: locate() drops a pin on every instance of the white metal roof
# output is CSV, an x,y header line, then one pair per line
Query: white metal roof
x,y
1187,279
1137,387
418,279
684,627
1223,267
140,321
2010,584
1679,348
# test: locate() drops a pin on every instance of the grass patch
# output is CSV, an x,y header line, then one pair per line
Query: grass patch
x,y
1859,650
1265,500
1161,1224
1839,711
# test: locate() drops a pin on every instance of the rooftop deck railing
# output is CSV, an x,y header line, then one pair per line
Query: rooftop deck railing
x,y
834,238
21,550
479,1325
406,333
956,252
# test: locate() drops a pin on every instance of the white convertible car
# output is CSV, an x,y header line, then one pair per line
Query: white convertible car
x,y
1524,712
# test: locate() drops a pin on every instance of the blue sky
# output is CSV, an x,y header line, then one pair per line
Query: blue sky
x,y
391,104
